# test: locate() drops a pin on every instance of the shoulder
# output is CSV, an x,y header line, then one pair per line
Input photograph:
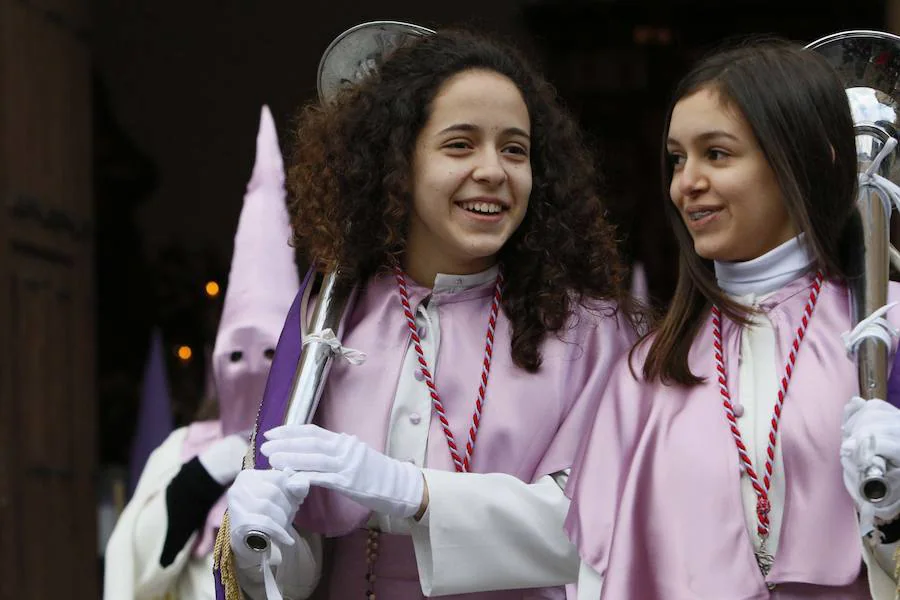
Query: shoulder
x,y
162,464
171,447
603,314
597,329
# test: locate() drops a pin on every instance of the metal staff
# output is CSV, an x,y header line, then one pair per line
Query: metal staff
x,y
352,56
868,63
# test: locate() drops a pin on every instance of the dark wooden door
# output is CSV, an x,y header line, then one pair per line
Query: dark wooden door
x,y
48,546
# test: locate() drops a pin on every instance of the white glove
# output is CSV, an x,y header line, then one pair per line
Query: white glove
x,y
223,459
871,429
264,501
346,465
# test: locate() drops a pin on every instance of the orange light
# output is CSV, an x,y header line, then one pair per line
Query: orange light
x,y
212,289
185,352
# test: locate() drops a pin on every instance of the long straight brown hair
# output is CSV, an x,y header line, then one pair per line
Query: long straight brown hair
x,y
797,109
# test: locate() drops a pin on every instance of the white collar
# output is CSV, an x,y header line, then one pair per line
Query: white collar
x,y
767,273
444,283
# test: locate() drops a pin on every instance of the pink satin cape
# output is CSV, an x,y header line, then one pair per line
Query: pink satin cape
x,y
656,497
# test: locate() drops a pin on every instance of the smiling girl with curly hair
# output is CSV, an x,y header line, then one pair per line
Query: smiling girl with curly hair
x,y
455,189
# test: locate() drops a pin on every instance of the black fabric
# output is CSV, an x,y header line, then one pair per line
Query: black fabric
x,y
890,531
189,498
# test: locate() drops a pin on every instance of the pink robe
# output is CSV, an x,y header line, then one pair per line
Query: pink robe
x,y
656,494
531,426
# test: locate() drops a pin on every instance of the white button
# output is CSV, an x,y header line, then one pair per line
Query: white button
x,y
738,410
423,332
419,375
415,418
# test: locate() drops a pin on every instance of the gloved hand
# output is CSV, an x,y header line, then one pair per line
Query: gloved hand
x,y
871,429
346,465
264,501
224,458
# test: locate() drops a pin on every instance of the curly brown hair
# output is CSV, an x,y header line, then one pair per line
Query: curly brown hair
x,y
349,184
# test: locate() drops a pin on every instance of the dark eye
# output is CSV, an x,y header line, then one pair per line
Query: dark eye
x,y
269,353
236,356
516,149
458,145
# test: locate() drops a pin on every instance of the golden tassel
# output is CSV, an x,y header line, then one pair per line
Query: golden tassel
x,y
897,572
223,556
223,560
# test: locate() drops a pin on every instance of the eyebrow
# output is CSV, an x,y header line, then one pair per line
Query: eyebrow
x,y
470,127
709,135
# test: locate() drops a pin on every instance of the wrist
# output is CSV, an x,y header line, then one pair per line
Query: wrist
x,y
423,506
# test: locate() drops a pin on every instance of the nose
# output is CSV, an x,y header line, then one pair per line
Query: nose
x,y
489,169
691,178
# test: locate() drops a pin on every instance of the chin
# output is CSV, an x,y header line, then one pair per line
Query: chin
x,y
712,252
481,250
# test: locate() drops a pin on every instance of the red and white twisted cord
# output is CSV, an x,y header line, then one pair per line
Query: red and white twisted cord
x,y
761,488
461,464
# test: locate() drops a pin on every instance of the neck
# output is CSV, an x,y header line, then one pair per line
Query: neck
x,y
767,273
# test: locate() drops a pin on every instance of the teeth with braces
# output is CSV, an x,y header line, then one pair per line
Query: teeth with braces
x,y
696,216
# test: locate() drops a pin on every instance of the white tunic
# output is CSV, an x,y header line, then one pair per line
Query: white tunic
x,y
132,569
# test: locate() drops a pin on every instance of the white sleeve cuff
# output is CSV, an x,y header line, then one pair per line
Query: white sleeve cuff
x,y
492,531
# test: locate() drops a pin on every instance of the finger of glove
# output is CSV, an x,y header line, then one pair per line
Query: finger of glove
x,y
334,481
873,441
259,522
887,447
848,448
281,508
254,487
298,486
306,462
298,431
874,410
302,446
853,405
881,425
261,495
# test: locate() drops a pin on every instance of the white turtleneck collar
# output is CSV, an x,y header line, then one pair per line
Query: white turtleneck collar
x,y
767,273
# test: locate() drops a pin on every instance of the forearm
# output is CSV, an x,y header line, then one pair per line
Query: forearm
x,y
189,497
